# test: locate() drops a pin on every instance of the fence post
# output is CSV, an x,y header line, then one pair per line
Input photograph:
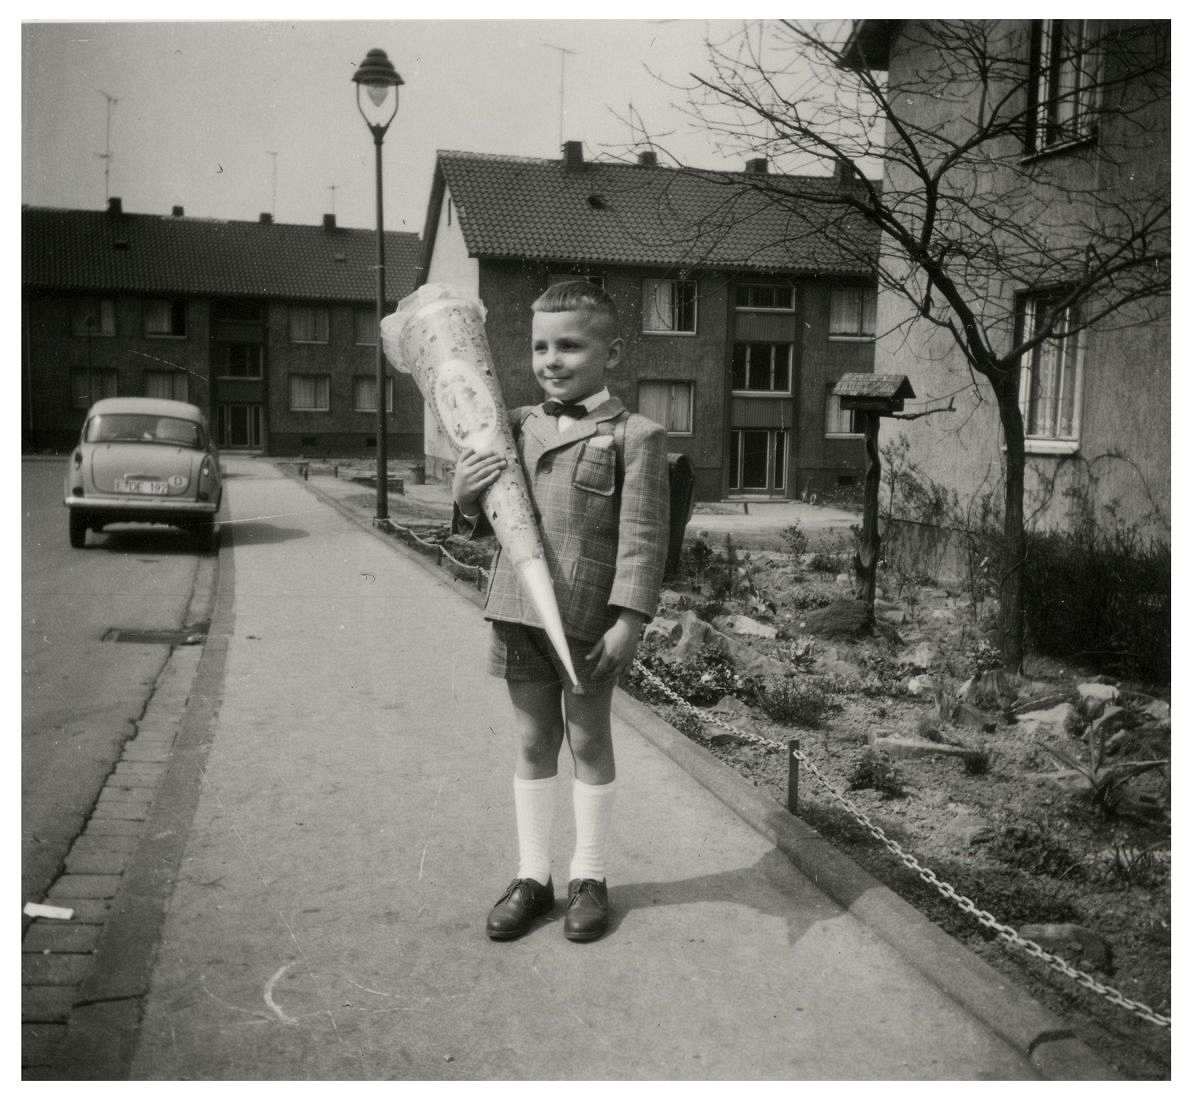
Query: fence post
x,y
793,776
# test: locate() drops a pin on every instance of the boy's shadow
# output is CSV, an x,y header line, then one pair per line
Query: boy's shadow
x,y
772,886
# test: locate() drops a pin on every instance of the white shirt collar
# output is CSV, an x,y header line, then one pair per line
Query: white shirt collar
x,y
591,402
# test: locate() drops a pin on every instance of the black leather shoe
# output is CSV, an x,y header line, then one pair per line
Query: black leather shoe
x,y
523,900
587,915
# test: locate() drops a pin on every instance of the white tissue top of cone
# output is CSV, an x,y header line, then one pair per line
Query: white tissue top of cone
x,y
437,335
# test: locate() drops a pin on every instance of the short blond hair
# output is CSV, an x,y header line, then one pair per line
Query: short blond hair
x,y
578,294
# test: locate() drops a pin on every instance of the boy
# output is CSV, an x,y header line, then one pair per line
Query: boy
x,y
604,522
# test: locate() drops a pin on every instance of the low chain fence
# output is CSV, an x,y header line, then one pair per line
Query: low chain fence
x,y
1004,933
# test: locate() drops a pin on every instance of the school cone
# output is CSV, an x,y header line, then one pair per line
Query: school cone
x,y
437,335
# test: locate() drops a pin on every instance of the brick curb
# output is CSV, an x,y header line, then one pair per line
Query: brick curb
x,y
120,873
1007,1010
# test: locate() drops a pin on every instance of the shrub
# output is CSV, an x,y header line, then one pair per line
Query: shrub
x,y
795,541
1102,593
793,701
877,772
1031,847
821,562
700,681
977,762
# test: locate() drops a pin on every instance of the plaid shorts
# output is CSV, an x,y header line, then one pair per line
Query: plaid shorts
x,y
524,654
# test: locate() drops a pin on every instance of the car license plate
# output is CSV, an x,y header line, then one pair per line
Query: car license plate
x,y
144,488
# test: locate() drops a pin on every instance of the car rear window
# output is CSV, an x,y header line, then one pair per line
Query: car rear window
x,y
141,428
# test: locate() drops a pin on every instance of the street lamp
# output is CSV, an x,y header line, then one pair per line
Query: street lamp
x,y
375,78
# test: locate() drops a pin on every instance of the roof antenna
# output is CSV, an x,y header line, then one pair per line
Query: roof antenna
x,y
332,188
273,202
563,51
106,155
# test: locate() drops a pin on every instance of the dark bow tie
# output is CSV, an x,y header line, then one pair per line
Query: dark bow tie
x,y
560,408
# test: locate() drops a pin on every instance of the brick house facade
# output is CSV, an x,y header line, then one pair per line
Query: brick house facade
x,y
270,328
727,329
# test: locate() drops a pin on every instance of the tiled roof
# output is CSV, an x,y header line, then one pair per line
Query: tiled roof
x,y
142,253
648,215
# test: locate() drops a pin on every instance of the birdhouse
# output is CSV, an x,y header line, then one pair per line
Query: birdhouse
x,y
879,394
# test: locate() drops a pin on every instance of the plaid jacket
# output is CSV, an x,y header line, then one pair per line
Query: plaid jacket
x,y
605,542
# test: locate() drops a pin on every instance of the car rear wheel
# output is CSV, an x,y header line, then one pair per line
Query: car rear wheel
x,y
78,530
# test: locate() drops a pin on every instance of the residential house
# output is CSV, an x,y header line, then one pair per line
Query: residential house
x,y
270,328
1095,403
736,327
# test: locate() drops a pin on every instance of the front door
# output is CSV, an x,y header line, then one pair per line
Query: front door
x,y
758,461
239,426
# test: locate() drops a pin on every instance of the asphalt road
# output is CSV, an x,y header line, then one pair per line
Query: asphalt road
x,y
80,694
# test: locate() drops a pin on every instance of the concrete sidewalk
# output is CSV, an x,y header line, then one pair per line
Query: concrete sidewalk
x,y
353,825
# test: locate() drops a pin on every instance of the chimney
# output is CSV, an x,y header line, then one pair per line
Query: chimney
x,y
115,206
573,155
757,166
176,212
648,158
266,218
844,170
329,221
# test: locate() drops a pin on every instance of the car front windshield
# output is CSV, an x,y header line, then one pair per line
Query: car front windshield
x,y
143,428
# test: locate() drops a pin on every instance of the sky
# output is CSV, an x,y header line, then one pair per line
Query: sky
x,y
198,107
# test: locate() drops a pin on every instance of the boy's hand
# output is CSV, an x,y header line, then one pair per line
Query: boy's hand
x,y
617,646
474,474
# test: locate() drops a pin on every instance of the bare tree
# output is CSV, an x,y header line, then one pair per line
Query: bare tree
x,y
1024,191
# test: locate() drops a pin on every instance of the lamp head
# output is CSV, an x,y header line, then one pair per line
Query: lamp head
x,y
377,76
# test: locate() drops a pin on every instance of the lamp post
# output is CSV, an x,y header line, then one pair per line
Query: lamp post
x,y
376,78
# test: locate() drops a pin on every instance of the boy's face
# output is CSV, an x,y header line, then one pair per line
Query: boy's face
x,y
571,351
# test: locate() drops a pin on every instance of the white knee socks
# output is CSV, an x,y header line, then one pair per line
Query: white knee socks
x,y
534,809
593,807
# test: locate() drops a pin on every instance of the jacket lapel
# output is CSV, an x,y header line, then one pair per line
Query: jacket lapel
x,y
542,432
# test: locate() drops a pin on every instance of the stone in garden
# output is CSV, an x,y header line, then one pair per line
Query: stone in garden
x,y
730,706
840,619
896,616
917,746
1072,940
921,685
666,631
920,657
1054,724
1095,696
743,624
1159,710
992,689
695,633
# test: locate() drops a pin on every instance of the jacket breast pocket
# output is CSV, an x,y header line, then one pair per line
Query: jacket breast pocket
x,y
596,471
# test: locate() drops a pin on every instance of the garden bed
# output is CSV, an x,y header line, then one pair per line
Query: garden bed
x,y
976,774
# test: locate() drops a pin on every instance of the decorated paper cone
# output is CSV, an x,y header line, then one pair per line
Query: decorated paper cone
x,y
437,335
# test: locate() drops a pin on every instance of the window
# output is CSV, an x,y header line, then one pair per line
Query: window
x,y
237,360
308,325
310,392
364,320
839,421
765,296
668,404
554,277
668,305
165,317
364,393
167,384
851,311
93,317
87,387
762,368
1050,375
1066,67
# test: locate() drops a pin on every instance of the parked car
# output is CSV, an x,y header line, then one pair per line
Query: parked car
x,y
144,460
